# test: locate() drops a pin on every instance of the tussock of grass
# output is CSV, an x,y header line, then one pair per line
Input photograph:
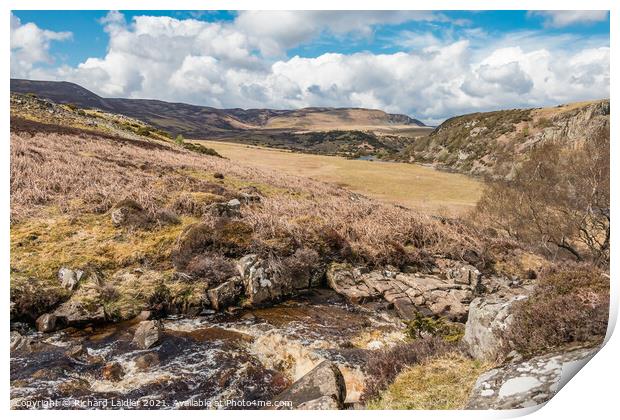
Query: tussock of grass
x,y
40,247
442,383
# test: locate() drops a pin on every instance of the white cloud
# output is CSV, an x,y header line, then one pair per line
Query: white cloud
x,y
232,65
277,31
562,18
30,45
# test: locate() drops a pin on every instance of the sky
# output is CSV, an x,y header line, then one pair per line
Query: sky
x,y
429,65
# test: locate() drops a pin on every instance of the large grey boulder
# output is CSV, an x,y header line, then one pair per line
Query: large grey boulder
x,y
148,334
488,319
258,280
226,294
528,383
69,278
321,388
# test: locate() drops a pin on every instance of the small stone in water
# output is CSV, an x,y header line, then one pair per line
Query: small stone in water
x,y
146,361
113,371
76,351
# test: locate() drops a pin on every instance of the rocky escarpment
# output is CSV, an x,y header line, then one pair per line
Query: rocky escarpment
x,y
490,144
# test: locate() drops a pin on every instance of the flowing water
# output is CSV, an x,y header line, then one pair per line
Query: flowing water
x,y
218,360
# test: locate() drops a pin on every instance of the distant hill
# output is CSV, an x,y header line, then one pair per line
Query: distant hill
x,y
492,143
200,121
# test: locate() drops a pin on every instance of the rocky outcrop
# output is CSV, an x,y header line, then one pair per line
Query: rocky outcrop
x,y
321,388
446,296
148,334
485,143
488,318
529,383
263,284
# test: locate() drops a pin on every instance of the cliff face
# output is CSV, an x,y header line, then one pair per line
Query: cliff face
x,y
492,143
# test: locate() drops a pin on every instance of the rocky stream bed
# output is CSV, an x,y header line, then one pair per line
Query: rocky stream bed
x,y
246,355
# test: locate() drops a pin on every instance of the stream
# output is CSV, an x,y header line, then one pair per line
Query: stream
x,y
235,359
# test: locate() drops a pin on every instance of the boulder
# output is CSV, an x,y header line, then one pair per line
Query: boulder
x,y
528,383
321,388
488,318
226,294
234,204
250,198
260,287
69,278
46,323
76,313
148,334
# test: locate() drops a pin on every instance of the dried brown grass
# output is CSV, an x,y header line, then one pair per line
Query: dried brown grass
x,y
77,174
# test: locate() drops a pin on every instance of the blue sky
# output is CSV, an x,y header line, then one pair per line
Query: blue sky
x,y
295,59
90,40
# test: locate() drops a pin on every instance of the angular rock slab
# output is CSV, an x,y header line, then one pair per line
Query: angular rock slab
x,y
408,292
148,334
529,383
321,388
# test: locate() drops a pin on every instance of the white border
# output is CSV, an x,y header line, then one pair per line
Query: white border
x,y
592,395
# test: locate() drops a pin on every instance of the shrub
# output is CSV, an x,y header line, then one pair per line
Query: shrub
x,y
199,148
301,266
567,306
179,140
384,365
211,268
143,131
422,326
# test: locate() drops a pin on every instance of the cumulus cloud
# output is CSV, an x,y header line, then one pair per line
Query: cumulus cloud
x,y
231,64
30,45
562,18
276,31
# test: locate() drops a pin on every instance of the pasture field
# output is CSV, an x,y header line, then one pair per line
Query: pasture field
x,y
414,186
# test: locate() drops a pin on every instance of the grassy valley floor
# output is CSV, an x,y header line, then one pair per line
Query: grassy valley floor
x,y
414,186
